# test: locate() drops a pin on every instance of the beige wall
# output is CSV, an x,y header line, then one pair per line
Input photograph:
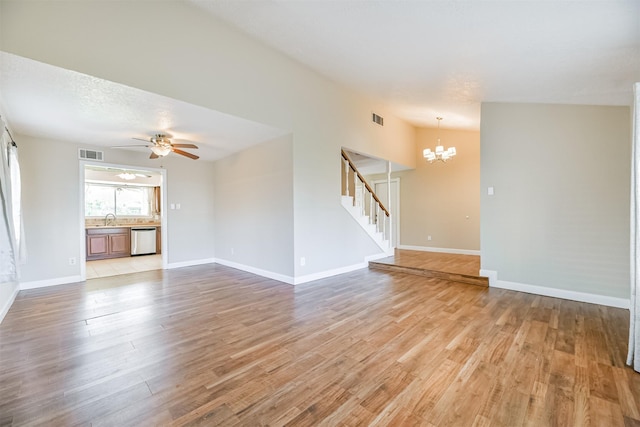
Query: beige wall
x,y
254,207
441,200
559,217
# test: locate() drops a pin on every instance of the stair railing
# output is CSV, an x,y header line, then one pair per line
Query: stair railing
x,y
364,198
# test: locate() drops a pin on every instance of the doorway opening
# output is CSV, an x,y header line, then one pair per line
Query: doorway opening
x,y
381,188
122,219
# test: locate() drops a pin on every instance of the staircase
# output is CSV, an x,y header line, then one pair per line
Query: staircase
x,y
367,225
365,207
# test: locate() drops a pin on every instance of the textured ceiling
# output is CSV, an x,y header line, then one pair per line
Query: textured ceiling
x,y
443,58
52,102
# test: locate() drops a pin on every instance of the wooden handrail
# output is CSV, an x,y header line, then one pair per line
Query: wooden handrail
x,y
355,170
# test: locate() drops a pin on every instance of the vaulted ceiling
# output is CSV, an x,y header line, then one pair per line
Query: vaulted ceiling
x,y
421,59
443,58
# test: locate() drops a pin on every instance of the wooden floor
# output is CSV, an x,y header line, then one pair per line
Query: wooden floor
x,y
451,267
210,345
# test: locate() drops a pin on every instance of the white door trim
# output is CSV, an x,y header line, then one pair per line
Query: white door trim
x,y
163,216
396,212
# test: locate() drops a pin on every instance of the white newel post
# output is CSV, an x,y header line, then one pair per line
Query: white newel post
x,y
384,221
370,208
362,207
346,176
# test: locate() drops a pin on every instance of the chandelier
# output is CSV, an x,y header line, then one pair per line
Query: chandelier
x,y
440,153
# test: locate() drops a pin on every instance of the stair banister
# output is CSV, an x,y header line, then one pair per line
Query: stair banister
x,y
355,201
359,175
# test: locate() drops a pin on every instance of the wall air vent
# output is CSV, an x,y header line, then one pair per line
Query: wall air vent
x,y
377,119
85,154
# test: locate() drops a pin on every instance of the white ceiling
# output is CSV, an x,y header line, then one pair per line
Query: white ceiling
x,y
51,102
443,58
421,59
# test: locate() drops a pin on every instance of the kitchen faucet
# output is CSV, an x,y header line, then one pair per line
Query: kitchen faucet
x,y
106,219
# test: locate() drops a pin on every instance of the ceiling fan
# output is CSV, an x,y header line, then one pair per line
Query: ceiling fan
x,y
161,145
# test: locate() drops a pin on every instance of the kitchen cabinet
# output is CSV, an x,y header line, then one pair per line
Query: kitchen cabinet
x,y
110,242
158,240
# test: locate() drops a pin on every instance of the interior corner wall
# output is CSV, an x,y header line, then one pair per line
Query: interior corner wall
x,y
559,216
8,292
254,209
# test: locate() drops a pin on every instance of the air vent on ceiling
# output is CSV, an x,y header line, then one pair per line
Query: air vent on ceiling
x,y
377,119
85,154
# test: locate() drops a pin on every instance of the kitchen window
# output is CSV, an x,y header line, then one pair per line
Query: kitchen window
x,y
123,201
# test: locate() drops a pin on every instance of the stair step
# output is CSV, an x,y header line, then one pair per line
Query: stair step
x,y
363,221
451,277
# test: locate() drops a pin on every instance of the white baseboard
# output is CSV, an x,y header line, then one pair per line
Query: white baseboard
x,y
491,274
554,292
258,271
329,273
173,265
443,250
302,279
342,270
50,282
378,256
9,302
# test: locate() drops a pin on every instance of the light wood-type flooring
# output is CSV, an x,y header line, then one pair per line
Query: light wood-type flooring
x,y
451,267
210,345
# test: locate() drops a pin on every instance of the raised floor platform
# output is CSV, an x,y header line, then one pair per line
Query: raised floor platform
x,y
451,267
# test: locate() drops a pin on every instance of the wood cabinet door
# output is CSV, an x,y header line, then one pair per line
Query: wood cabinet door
x,y
97,245
119,244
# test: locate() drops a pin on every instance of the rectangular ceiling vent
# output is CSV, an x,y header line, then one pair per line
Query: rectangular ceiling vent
x,y
85,154
377,119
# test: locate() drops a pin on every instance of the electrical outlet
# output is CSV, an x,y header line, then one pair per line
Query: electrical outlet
x,y
428,237
72,261
233,251
303,261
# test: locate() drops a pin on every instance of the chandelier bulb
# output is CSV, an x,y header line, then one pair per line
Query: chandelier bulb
x,y
439,153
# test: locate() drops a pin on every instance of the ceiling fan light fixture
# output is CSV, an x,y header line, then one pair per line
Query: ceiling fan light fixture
x,y
160,150
126,176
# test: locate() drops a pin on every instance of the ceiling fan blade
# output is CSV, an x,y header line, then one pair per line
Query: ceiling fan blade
x,y
127,146
184,153
153,156
185,145
140,139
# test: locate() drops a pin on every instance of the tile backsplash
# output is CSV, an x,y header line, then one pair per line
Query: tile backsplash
x,y
92,222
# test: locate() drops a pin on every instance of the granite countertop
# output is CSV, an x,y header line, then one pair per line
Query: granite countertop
x,y
122,226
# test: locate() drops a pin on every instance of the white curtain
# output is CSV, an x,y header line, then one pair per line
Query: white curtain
x,y
633,358
12,247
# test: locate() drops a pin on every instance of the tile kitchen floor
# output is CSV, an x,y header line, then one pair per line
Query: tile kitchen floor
x,y
117,266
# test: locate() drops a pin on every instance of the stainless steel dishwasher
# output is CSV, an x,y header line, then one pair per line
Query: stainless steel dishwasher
x,y
143,240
